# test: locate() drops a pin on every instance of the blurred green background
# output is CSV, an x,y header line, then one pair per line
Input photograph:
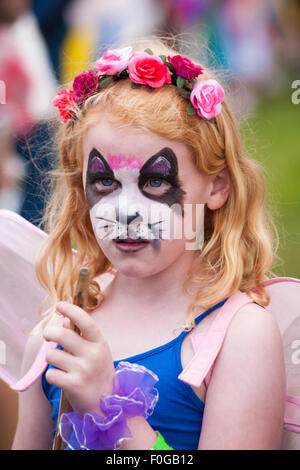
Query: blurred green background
x,y
273,139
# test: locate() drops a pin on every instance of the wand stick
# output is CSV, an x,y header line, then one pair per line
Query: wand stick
x,y
80,299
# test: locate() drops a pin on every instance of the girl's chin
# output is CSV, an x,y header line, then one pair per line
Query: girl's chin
x,y
133,269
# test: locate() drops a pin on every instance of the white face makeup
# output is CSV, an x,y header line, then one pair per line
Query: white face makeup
x,y
136,197
135,201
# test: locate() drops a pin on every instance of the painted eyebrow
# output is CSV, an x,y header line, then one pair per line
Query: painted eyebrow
x,y
103,167
164,162
167,166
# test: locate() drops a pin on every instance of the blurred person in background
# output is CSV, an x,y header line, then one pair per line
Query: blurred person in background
x,y
178,16
94,25
243,30
15,117
288,40
30,84
51,18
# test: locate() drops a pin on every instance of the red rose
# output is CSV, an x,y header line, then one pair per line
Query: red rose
x,y
64,101
146,69
184,67
84,85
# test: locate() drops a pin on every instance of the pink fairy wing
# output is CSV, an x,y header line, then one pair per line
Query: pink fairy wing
x,y
21,296
20,292
285,306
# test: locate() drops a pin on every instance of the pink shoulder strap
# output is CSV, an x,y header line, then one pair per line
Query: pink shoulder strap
x,y
199,366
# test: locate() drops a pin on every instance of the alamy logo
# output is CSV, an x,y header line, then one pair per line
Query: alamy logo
x,y
2,353
296,94
2,92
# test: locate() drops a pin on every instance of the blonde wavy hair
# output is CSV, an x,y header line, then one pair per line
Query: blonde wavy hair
x,y
240,238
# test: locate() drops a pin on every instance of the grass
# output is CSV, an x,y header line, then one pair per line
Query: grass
x,y
275,125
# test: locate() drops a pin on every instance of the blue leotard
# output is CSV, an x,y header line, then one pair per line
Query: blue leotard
x,y
178,413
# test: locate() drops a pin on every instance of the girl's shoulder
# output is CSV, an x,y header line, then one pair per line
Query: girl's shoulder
x,y
253,335
251,322
246,394
252,349
253,325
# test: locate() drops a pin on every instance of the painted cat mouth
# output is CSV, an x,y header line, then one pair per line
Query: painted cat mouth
x,y
131,240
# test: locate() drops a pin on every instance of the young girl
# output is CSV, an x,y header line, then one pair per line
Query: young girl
x,y
145,137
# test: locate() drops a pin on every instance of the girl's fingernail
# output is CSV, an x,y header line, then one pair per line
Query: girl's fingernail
x,y
60,307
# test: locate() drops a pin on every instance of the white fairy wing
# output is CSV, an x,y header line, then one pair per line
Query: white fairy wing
x,y
20,292
285,306
21,296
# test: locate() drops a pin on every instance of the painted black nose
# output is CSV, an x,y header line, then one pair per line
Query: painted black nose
x,y
130,218
127,219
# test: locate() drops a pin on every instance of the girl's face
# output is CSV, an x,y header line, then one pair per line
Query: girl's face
x,y
145,196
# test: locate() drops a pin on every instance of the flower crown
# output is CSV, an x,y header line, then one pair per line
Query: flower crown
x,y
144,69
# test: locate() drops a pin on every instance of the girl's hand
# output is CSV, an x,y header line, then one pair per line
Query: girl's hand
x,y
85,366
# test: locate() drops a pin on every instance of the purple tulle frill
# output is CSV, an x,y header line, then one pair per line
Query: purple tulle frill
x,y
133,394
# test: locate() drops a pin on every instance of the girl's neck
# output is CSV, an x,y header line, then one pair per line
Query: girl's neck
x,y
166,284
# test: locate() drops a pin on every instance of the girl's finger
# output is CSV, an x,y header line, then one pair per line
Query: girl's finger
x,y
60,359
66,338
88,328
66,322
57,377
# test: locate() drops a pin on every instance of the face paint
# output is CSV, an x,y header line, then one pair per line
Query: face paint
x,y
120,161
162,166
120,194
98,171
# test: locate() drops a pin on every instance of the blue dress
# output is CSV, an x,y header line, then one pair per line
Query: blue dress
x,y
178,413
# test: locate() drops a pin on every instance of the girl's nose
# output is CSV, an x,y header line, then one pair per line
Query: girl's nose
x,y
128,218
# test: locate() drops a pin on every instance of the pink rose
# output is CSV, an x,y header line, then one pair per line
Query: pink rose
x,y
64,101
206,97
184,67
84,85
146,69
113,61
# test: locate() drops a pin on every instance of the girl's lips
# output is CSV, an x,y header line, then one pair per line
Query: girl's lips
x,y
130,245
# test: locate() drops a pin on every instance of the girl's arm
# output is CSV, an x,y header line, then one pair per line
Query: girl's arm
x,y
245,400
84,369
34,415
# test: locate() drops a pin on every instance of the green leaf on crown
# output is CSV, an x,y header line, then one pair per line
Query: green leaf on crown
x,y
185,93
179,82
135,85
171,67
163,58
190,109
105,81
148,51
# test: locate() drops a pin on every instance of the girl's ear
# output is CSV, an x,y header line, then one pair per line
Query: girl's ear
x,y
220,189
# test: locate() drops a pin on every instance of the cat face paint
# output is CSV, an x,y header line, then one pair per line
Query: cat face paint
x,y
163,165
132,199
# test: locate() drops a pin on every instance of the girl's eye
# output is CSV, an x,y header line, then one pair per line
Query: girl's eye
x,y
156,186
155,183
106,184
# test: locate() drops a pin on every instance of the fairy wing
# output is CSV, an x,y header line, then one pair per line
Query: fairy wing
x,y
20,292
285,306
21,296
